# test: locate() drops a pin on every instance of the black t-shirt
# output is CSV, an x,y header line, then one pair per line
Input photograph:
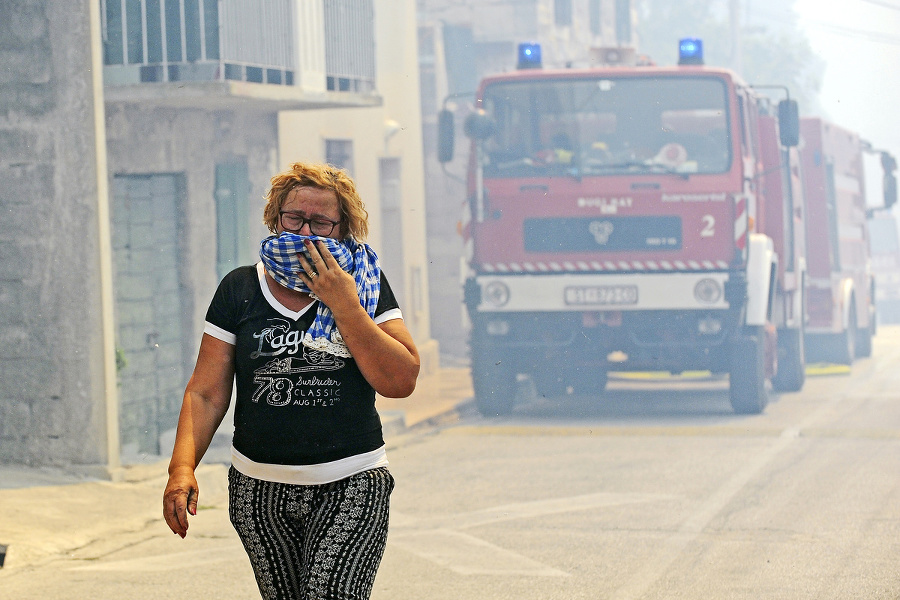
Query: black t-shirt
x,y
295,406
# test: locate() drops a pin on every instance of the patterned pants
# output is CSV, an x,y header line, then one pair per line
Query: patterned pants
x,y
313,542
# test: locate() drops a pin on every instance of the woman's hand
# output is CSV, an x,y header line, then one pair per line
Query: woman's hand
x,y
179,499
385,354
327,280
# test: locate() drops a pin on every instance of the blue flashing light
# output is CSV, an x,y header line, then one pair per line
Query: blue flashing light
x,y
690,51
529,56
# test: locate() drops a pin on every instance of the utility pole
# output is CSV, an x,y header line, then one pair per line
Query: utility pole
x,y
734,13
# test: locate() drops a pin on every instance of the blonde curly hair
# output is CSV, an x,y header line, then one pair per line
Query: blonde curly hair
x,y
354,217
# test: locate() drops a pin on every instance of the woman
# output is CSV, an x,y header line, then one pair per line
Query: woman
x,y
310,334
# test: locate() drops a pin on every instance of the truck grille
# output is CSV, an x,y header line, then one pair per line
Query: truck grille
x,y
602,234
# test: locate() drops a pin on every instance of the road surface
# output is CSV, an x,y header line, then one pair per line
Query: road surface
x,y
654,490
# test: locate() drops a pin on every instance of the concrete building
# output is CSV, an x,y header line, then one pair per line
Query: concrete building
x,y
57,367
460,41
204,100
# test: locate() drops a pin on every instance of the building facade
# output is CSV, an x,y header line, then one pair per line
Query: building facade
x,y
203,101
57,370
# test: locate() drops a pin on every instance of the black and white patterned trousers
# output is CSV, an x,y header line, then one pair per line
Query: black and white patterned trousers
x,y
313,542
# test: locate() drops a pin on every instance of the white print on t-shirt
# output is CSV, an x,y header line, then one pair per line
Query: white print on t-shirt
x,y
273,380
277,339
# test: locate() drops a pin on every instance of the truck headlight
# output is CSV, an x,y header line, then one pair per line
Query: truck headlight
x,y
496,293
708,291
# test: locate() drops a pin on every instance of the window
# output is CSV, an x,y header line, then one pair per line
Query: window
x,y
154,32
232,196
135,32
350,45
211,26
623,21
607,126
595,14
173,32
562,12
161,36
459,50
254,74
391,254
157,31
192,30
340,154
113,34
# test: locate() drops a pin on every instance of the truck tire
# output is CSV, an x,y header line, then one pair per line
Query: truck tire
x,y
845,348
494,383
747,378
791,373
863,347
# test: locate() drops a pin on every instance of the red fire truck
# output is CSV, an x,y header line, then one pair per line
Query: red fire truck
x,y
840,286
631,218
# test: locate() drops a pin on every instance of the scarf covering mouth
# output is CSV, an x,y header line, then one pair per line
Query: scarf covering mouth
x,y
279,257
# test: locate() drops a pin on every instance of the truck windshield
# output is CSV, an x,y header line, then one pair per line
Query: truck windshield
x,y
608,126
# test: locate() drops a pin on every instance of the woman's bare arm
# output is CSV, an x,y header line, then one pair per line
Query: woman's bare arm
x,y
206,401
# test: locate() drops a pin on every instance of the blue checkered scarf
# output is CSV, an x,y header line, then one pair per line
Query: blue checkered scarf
x,y
279,257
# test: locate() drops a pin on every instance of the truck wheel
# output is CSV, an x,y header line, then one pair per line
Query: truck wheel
x,y
494,383
791,373
747,379
846,340
873,321
863,342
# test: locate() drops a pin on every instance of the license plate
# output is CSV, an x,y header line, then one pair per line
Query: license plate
x,y
601,295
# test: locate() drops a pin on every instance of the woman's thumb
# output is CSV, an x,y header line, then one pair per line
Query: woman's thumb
x,y
192,501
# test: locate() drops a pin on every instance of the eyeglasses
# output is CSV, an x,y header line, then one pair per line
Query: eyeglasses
x,y
293,223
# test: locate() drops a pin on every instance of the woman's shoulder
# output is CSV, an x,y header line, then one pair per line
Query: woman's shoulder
x,y
240,281
244,273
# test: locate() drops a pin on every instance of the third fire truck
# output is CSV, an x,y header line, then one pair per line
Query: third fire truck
x,y
841,285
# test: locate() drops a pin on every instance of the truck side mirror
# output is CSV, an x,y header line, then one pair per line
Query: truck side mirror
x,y
789,122
446,136
890,190
479,125
889,164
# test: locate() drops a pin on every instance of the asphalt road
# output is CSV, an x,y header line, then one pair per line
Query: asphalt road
x,y
654,490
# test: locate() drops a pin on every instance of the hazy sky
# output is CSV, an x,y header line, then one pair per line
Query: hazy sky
x,y
860,43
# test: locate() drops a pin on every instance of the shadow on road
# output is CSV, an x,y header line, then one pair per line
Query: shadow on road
x,y
666,398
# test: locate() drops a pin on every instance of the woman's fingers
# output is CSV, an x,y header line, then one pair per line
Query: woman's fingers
x,y
326,255
179,500
320,260
308,269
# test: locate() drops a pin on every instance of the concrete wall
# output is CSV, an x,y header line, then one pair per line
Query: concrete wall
x,y
53,358
190,141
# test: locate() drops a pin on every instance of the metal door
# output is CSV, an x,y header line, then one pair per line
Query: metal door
x,y
146,235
